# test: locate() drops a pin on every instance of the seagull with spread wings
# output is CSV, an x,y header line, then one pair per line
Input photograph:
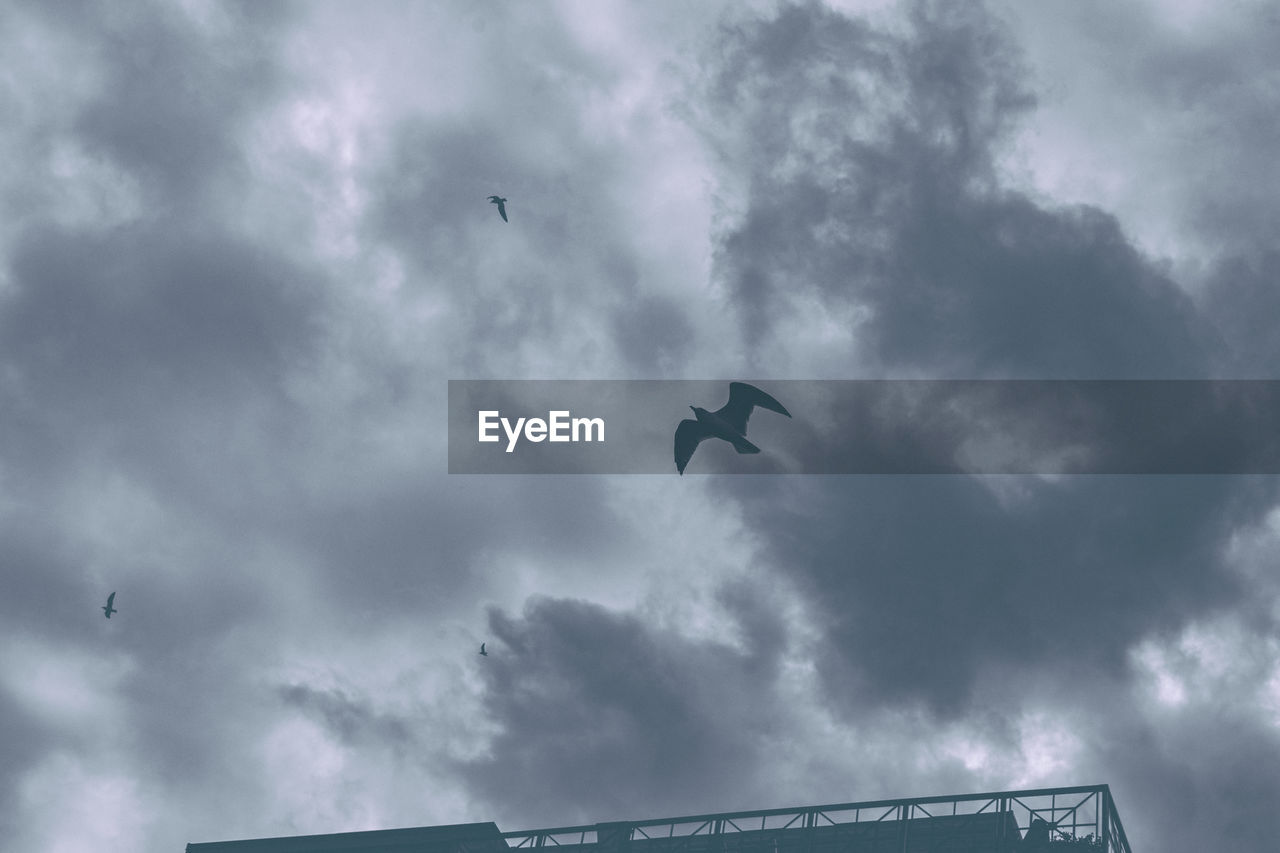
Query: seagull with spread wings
x,y
482,651
502,206
109,609
728,423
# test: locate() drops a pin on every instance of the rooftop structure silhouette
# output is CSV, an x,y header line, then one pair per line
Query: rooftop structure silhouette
x,y
1042,820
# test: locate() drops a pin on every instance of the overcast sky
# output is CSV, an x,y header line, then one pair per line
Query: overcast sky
x,y
243,247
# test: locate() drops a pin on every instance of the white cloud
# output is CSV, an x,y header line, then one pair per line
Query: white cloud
x,y
71,804
78,691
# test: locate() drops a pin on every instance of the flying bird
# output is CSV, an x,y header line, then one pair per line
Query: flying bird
x,y
108,609
728,423
482,651
502,206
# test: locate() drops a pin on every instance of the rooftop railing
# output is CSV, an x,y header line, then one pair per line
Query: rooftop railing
x,y
1077,813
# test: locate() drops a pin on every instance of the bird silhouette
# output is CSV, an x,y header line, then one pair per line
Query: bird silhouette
x,y
728,423
482,651
108,609
502,206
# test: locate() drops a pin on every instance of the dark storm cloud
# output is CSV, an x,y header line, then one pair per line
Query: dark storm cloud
x,y
1181,105
926,581
1044,427
926,586
601,711
902,218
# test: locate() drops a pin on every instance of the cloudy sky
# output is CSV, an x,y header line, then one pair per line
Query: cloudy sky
x,y
243,247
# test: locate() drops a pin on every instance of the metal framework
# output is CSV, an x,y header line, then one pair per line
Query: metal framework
x,y
994,821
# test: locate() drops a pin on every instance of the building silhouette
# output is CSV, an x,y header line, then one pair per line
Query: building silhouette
x,y
1044,820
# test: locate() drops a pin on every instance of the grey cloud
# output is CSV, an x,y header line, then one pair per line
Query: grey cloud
x,y
430,206
101,314
422,207
151,336
1242,298
653,334
26,741
351,720
925,579
601,711
157,341
181,719
422,547
566,251
154,354
173,98
960,277
1036,427
1193,779
1207,96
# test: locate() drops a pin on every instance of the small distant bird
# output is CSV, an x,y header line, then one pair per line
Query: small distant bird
x,y
729,423
108,610
502,206
482,651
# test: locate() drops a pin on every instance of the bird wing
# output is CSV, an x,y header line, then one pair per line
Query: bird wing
x,y
502,211
742,398
688,436
111,599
